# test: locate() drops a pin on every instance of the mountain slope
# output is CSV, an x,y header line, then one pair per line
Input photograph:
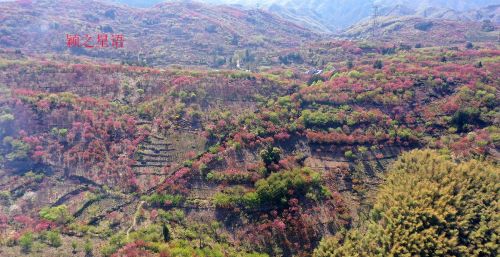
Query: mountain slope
x,y
271,161
335,15
414,29
170,33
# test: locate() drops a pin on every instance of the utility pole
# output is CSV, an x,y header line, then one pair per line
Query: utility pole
x,y
375,16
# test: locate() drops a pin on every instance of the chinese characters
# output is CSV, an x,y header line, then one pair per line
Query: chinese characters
x,y
100,41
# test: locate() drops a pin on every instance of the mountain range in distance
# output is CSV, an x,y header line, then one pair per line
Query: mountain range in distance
x,y
331,16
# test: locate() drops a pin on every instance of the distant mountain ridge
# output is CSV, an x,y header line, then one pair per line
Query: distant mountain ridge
x,y
337,15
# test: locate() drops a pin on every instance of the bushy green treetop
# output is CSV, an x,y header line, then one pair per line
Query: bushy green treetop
x,y
428,206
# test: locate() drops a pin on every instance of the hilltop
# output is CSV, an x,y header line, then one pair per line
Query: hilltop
x,y
413,30
169,33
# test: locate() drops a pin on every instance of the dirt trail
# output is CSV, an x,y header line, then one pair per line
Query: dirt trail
x,y
134,221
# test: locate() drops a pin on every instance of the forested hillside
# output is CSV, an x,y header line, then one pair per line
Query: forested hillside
x,y
380,146
170,33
